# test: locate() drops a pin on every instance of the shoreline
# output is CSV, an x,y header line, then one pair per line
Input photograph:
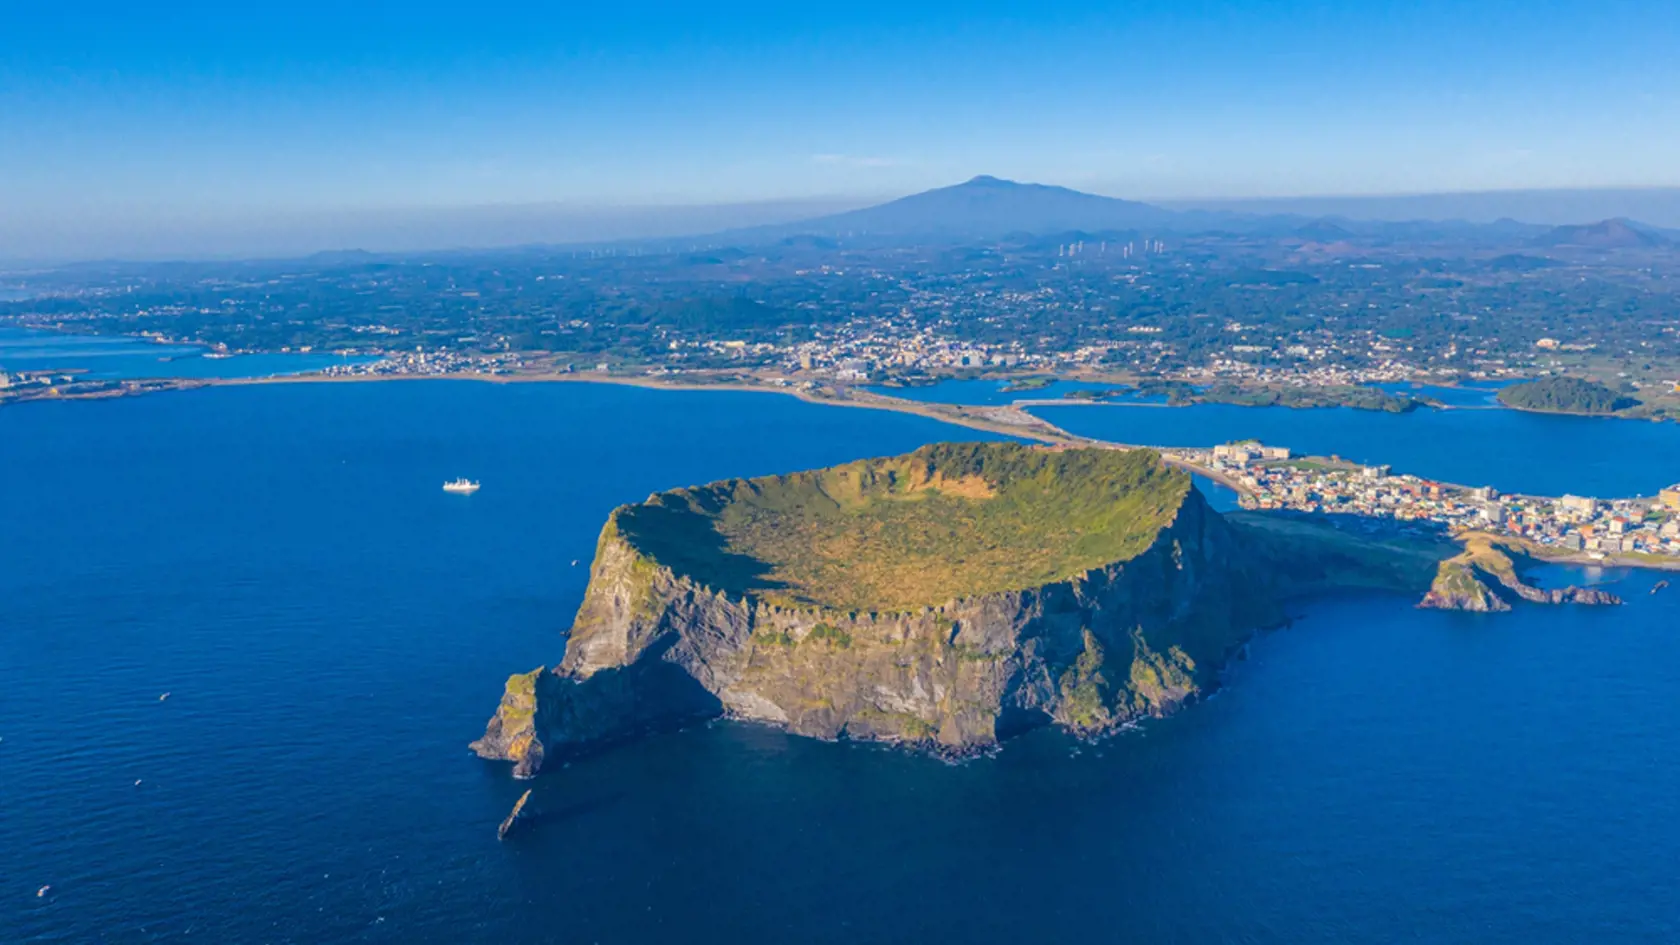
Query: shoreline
x,y
1009,420
1004,420
1543,555
1614,415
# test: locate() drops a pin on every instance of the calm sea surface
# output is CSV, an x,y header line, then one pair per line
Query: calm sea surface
x,y
111,357
333,629
981,392
1510,449
1477,443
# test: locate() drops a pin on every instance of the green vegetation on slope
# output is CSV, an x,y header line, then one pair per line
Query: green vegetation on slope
x,y
1565,395
1355,396
1023,384
1309,554
947,521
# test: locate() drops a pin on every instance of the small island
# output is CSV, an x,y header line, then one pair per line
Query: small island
x,y
1025,384
1356,396
1566,395
944,600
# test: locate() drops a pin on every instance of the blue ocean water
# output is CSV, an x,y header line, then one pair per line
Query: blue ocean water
x,y
109,357
1513,450
1483,394
989,392
332,630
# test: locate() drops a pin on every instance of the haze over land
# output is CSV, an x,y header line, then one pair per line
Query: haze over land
x,y
948,212
1239,307
254,130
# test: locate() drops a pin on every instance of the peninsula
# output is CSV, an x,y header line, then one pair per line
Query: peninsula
x,y
943,599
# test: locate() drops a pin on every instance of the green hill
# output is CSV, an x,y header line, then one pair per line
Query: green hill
x,y
1565,395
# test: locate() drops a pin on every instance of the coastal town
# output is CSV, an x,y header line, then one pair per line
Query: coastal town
x,y
863,350
1270,477
1265,477
421,363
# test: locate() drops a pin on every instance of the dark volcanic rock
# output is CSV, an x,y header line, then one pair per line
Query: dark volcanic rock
x,y
521,813
1484,578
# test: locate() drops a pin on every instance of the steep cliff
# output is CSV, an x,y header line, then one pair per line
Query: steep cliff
x,y
1019,587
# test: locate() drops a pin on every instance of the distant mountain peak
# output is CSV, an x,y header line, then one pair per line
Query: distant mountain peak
x,y
988,206
1614,233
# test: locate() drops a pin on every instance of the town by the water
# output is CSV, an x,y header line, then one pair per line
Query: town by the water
x,y
1630,530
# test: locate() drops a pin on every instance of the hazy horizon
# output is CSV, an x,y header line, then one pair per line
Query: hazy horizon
x,y
161,237
257,128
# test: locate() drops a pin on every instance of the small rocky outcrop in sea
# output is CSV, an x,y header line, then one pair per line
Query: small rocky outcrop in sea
x,y
1484,578
522,813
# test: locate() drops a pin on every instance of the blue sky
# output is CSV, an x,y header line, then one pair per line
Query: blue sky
x,y
118,112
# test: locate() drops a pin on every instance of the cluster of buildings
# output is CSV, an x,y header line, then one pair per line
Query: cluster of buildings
x,y
921,339
26,378
423,363
1268,478
34,385
1376,371
856,350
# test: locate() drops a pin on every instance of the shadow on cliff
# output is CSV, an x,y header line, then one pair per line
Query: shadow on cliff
x,y
686,542
582,717
1303,553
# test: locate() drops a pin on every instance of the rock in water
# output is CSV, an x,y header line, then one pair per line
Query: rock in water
x,y
1483,576
943,599
512,733
1460,586
1580,595
520,814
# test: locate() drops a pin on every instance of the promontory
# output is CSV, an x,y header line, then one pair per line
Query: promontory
x,y
942,599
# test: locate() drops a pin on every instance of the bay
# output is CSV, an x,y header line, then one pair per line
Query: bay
x,y
111,357
1512,450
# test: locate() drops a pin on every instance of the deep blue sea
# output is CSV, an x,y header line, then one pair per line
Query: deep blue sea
x,y
333,629
112,357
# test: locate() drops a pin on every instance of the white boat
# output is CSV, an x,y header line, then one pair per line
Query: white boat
x,y
461,486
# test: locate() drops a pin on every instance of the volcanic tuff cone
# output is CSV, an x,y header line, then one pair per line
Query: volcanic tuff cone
x,y
944,598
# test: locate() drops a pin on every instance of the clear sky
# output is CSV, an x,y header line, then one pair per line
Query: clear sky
x,y
129,111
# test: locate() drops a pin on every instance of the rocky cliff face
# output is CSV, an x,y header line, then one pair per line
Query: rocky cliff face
x,y
653,648
1484,579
